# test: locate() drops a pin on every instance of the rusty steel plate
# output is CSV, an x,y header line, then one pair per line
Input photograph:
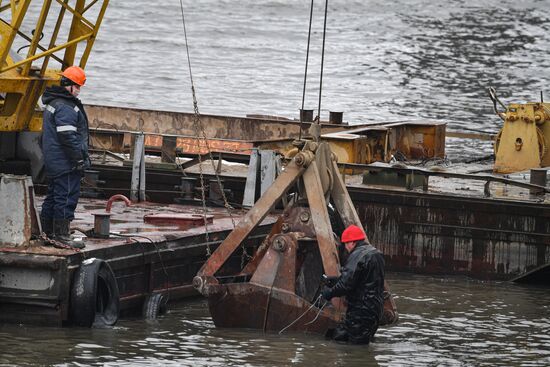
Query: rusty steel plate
x,y
253,306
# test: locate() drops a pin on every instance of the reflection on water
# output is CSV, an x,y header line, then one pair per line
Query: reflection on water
x,y
451,322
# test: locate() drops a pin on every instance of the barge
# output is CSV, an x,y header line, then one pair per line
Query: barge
x,y
429,217
148,256
425,221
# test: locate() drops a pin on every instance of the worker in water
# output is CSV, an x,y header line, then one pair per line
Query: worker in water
x,y
65,150
362,283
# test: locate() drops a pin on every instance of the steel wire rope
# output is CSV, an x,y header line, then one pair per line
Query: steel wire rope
x,y
199,126
303,314
196,122
132,237
318,312
322,62
493,95
305,71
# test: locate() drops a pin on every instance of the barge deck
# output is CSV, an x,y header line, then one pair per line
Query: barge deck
x,y
158,257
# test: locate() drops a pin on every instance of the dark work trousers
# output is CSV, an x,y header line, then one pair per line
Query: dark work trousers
x,y
62,197
357,329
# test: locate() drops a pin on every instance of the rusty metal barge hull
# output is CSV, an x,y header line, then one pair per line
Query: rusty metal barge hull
x,y
448,234
439,234
36,281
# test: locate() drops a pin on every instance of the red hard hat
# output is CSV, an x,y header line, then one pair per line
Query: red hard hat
x,y
353,233
75,74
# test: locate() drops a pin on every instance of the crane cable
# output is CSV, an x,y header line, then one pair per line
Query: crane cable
x,y
305,72
199,130
318,117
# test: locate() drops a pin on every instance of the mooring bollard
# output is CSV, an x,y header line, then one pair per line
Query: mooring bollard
x,y
538,177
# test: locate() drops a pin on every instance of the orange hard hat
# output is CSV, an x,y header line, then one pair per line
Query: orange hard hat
x,y
353,233
75,74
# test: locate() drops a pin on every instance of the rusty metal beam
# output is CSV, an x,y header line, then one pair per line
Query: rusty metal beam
x,y
252,219
444,174
258,256
321,220
468,135
181,123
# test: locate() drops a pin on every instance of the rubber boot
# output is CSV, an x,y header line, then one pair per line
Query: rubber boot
x,y
47,226
62,233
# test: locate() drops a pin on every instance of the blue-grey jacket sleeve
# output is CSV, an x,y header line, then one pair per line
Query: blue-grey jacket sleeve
x,y
65,123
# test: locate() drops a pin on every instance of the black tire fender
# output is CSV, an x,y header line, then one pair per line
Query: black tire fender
x,y
154,305
94,299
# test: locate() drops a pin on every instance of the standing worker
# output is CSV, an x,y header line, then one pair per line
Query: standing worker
x,y
362,283
65,150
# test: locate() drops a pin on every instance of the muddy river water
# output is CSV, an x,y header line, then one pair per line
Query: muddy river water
x,y
443,322
386,60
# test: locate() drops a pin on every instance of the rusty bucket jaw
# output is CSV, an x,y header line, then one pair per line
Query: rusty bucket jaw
x,y
278,289
276,297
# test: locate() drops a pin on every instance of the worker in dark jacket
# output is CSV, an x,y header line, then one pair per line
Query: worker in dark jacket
x,y
65,150
362,283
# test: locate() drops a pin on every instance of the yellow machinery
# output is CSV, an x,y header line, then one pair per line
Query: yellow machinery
x,y
522,143
60,27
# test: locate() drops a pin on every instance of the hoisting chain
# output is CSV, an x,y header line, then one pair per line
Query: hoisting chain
x,y
199,130
197,123
50,241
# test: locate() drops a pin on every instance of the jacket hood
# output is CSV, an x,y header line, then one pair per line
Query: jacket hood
x,y
56,92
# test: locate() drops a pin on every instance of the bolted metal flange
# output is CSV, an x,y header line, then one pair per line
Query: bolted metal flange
x,y
304,217
279,244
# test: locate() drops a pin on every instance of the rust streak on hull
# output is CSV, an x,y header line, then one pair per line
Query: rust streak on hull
x,y
446,234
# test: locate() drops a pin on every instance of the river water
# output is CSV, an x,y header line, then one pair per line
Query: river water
x,y
443,322
385,60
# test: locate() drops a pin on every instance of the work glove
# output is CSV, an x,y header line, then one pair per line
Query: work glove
x,y
326,293
79,166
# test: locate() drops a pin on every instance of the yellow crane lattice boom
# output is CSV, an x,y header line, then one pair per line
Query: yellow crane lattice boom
x,y
24,78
